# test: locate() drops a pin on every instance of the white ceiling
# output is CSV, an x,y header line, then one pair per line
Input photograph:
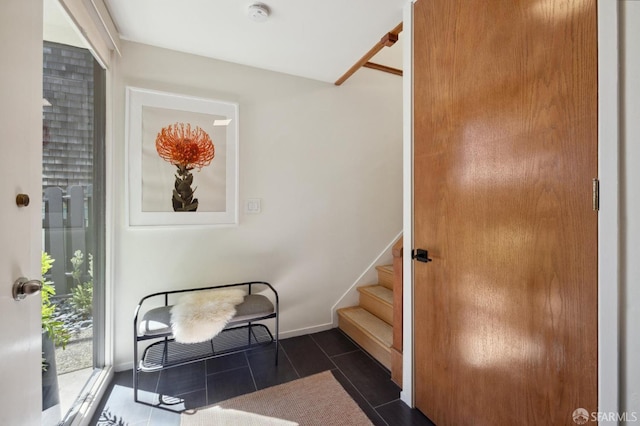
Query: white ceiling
x,y
315,39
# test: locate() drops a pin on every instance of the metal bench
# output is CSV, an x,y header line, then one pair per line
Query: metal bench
x,y
241,332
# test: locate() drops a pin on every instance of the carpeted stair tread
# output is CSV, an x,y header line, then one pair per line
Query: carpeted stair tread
x,y
385,268
370,323
385,276
378,291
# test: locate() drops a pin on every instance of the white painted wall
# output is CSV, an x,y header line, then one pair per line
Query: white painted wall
x,y
630,206
325,160
369,276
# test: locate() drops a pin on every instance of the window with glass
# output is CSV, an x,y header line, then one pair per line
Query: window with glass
x,y
73,227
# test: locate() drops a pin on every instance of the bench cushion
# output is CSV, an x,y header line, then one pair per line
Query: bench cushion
x,y
157,322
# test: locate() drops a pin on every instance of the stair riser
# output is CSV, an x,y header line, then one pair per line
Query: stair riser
x,y
377,307
373,347
396,367
385,278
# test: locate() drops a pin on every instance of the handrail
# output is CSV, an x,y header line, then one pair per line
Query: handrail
x,y
383,68
387,40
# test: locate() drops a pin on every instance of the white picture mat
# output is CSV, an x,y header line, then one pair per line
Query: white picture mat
x,y
151,179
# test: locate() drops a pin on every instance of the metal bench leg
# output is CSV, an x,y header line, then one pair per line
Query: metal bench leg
x,y
277,334
135,369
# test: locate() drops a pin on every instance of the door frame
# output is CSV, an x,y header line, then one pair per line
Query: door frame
x,y
608,217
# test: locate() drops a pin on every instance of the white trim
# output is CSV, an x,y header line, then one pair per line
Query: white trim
x,y
350,296
101,15
305,330
608,217
99,383
87,22
98,389
407,207
110,219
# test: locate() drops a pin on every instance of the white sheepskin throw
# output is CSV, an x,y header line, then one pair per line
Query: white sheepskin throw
x,y
201,315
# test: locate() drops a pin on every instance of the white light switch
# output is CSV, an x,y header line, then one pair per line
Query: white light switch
x,y
253,205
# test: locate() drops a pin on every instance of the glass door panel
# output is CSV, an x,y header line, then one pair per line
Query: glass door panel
x,y
72,217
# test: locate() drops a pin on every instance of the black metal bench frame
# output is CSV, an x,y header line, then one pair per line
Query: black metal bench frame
x,y
166,353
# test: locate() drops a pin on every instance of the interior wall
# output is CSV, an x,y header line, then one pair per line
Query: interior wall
x,y
630,194
325,160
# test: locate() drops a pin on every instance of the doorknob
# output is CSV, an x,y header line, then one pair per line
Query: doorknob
x,y
22,200
23,287
421,255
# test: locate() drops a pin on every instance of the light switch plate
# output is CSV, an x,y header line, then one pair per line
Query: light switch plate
x,y
253,205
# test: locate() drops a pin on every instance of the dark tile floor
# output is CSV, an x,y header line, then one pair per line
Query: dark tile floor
x,y
211,381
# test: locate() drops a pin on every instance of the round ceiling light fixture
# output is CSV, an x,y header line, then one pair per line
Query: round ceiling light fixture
x,y
258,12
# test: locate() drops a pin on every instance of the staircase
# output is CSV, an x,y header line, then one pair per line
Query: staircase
x,y
376,323
370,324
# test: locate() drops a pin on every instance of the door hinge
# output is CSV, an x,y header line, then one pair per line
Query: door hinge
x,y
596,194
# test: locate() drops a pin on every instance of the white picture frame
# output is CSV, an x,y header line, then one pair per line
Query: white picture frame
x,y
151,178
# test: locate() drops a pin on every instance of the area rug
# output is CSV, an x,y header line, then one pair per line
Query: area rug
x,y
313,400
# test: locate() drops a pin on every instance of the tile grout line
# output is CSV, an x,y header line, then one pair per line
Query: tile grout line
x,y
357,349
323,351
335,367
386,403
289,359
156,389
253,379
351,383
155,392
230,369
364,351
206,383
360,393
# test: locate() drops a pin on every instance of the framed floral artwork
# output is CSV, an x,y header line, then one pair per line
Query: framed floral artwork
x,y
182,159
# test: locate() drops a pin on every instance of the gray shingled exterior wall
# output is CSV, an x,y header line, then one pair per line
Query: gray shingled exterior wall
x,y
67,134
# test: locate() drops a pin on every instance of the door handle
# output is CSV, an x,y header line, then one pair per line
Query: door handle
x,y
22,200
24,287
420,255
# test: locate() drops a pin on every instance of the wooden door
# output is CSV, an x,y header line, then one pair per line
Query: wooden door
x,y
505,151
20,227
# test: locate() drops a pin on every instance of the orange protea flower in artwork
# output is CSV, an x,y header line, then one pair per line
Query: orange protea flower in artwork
x,y
185,147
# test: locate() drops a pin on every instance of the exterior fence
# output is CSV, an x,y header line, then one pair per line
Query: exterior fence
x,y
66,229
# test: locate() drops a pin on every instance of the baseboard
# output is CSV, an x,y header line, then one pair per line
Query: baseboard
x,y
123,367
306,330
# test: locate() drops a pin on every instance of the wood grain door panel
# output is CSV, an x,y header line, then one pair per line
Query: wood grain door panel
x,y
505,96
